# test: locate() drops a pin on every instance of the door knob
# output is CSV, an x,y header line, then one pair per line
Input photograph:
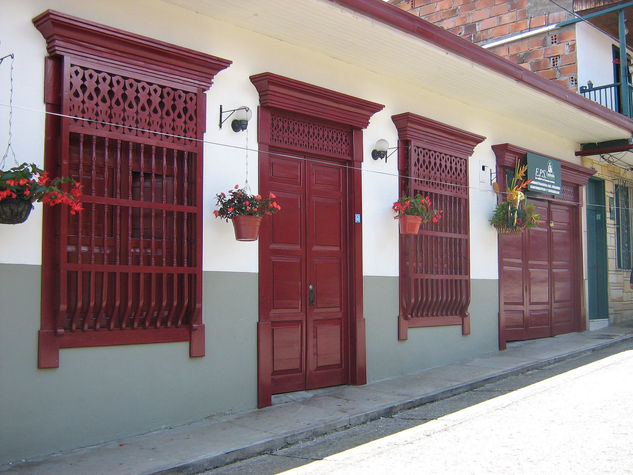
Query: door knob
x,y
311,294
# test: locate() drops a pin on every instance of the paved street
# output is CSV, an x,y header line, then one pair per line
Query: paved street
x,y
572,417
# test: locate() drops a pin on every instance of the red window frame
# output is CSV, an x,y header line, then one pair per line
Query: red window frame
x,y
435,264
128,117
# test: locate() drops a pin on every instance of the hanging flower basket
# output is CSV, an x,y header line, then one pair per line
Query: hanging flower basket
x,y
409,224
412,211
14,210
24,184
503,229
246,227
513,214
245,211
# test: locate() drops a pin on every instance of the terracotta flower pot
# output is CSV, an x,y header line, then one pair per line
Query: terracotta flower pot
x,y
14,210
246,227
409,224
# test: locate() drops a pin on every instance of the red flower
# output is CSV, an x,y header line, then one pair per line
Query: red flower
x,y
43,179
216,213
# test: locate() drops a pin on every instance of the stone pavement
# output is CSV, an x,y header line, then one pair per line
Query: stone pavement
x,y
218,441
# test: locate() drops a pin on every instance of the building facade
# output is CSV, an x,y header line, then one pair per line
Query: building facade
x,y
143,311
584,57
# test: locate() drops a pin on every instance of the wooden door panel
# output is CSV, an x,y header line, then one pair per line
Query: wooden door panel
x,y
286,279
285,274
513,285
538,245
306,244
327,271
539,286
550,296
329,346
563,286
514,319
285,228
286,171
287,347
327,216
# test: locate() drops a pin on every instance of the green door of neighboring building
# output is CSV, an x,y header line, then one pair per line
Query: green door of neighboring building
x,y
597,250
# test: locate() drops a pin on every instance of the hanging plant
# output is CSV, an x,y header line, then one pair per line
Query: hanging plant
x,y
412,211
25,184
513,214
245,211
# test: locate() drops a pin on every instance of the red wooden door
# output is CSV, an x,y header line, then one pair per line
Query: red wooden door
x,y
303,278
563,229
538,283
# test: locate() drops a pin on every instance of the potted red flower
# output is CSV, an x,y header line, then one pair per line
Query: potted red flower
x,y
24,184
412,211
245,211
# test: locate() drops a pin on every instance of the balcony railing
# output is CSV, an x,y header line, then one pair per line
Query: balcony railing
x,y
609,96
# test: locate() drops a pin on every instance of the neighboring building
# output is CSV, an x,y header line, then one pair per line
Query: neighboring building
x,y
583,56
143,311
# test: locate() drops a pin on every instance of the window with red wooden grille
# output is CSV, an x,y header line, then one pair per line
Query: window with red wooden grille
x,y
128,269
434,265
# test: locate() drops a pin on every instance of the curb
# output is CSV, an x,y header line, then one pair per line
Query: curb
x,y
216,461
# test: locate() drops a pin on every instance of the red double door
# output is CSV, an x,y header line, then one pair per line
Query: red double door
x,y
304,275
540,276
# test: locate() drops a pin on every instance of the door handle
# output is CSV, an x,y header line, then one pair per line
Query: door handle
x,y
311,295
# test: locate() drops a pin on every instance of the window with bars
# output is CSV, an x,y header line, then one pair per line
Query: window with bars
x,y
623,195
434,264
128,269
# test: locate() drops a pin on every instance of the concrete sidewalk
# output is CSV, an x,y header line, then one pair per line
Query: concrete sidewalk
x,y
293,417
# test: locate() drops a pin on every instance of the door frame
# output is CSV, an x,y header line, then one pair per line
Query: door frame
x,y
571,174
278,93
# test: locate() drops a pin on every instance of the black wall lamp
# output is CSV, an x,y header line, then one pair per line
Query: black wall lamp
x,y
241,116
381,150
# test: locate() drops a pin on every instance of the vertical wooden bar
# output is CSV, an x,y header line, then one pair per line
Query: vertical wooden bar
x,y
80,257
116,317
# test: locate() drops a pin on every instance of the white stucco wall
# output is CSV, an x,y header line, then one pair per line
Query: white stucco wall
x,y
224,160
594,55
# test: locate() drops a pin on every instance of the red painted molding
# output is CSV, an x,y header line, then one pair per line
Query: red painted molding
x,y
317,105
436,135
395,17
67,35
507,155
289,94
454,145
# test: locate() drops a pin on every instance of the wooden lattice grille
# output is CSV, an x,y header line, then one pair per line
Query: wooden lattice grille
x,y
435,286
131,256
130,107
126,117
293,131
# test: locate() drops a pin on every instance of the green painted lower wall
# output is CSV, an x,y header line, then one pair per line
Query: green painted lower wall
x,y
103,394
425,347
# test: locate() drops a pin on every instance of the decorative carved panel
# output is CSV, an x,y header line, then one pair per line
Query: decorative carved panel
x,y
293,131
131,107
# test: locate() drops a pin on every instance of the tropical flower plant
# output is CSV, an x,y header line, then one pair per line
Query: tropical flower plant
x,y
417,205
513,214
240,203
26,183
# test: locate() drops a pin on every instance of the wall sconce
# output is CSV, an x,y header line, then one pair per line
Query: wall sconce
x,y
380,150
241,116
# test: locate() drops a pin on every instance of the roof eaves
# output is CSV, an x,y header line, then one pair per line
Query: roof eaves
x,y
396,18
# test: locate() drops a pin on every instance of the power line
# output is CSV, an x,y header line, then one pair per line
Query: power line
x,y
238,147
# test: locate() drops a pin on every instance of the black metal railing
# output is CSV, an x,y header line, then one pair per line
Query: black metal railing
x,y
609,96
